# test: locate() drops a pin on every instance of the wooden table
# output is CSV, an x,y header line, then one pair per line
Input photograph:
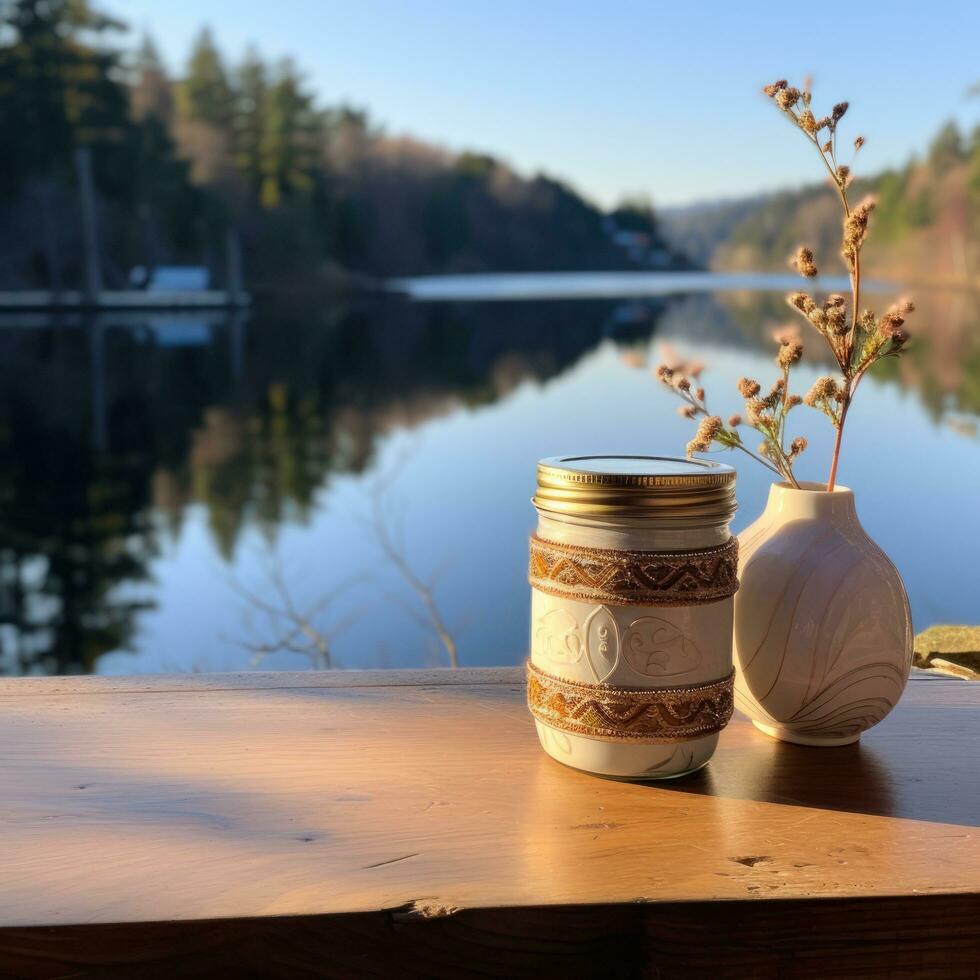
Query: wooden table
x,y
377,823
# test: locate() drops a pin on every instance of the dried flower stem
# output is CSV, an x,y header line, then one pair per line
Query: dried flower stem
x,y
835,458
858,346
854,273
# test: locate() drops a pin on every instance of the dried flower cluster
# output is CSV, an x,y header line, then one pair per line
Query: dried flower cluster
x,y
767,414
858,337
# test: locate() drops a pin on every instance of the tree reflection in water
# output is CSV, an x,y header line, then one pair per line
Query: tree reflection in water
x,y
111,428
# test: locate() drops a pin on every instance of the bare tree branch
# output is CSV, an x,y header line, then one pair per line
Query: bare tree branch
x,y
292,629
391,544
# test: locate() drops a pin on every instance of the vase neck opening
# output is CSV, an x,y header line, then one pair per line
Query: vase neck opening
x,y
811,501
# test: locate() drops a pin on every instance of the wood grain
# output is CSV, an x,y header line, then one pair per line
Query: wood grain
x,y
893,937
423,817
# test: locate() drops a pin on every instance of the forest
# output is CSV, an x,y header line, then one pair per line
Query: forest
x,y
316,194
926,226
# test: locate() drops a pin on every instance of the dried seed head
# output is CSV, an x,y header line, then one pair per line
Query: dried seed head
x,y
891,321
858,143
837,113
855,229
787,98
892,328
827,147
823,124
868,321
793,401
843,174
822,388
837,321
808,122
687,411
775,395
867,206
899,339
734,421
818,318
797,446
699,394
771,90
707,430
748,388
789,354
834,299
755,408
665,373
803,262
802,302
684,385
904,306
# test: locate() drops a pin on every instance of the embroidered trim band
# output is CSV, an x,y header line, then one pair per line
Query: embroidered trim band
x,y
628,578
626,714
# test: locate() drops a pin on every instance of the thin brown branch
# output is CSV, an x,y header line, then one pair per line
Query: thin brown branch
x,y
293,630
422,589
835,457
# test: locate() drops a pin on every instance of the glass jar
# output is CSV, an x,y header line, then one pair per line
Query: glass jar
x,y
633,570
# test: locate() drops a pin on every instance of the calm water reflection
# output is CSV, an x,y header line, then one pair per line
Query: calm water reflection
x,y
168,482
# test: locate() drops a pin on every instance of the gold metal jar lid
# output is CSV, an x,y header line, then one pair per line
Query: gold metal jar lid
x,y
677,492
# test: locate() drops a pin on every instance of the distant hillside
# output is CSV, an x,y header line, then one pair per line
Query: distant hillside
x,y
409,207
696,230
926,227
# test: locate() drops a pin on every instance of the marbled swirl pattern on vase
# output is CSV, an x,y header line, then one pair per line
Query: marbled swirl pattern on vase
x,y
823,632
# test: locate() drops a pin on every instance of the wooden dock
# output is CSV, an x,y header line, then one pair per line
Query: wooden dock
x,y
406,823
123,299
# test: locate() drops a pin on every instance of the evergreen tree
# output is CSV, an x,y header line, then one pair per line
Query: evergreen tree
x,y
76,537
58,91
152,92
946,150
162,223
206,91
205,114
292,138
252,94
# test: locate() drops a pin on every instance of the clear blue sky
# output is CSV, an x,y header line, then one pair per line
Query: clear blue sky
x,y
615,96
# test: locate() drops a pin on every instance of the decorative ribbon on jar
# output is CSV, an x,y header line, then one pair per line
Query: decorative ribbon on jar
x,y
633,570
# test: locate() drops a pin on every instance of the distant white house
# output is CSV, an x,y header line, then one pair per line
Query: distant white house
x,y
638,245
631,239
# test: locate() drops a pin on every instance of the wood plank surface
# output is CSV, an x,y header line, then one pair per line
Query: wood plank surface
x,y
387,799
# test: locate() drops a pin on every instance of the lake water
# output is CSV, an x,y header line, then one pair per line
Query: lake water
x,y
285,489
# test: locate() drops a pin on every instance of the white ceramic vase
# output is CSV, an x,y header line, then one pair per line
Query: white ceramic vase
x,y
823,632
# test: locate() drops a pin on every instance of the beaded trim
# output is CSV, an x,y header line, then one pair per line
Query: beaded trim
x,y
640,578
671,714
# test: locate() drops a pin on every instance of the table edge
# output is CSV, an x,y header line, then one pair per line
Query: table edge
x,y
304,680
